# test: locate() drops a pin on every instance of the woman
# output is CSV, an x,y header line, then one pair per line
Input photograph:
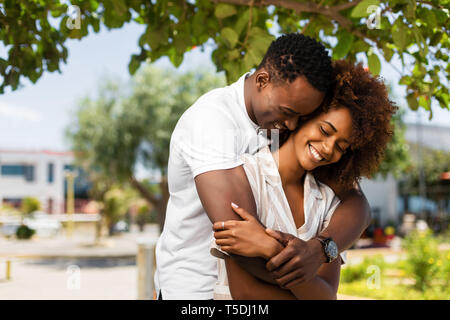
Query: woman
x,y
342,142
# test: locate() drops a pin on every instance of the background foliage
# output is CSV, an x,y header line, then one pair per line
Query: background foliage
x,y
127,125
34,33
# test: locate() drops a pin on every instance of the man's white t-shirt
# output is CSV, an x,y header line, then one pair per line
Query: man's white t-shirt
x,y
210,135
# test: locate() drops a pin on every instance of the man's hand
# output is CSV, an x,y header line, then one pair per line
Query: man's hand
x,y
298,262
246,238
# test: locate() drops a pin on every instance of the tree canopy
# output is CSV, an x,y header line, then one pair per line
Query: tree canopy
x,y
34,34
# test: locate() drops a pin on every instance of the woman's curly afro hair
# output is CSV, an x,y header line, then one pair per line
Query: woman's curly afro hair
x,y
367,99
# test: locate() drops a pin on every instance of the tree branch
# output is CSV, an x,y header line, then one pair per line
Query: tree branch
x,y
330,12
249,22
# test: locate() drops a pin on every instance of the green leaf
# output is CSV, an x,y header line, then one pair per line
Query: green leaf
x,y
361,9
230,37
400,36
95,24
134,64
224,10
156,38
233,54
3,65
59,10
410,10
175,58
429,18
388,53
251,59
374,64
412,101
420,41
441,15
259,40
436,38
345,41
405,80
424,102
242,22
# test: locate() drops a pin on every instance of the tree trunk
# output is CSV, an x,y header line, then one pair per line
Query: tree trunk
x,y
161,203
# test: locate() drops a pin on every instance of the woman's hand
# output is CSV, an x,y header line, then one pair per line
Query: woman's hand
x,y
246,238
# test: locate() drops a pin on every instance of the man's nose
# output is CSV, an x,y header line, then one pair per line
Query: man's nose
x,y
291,124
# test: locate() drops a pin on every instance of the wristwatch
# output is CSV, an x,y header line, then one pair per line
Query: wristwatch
x,y
329,247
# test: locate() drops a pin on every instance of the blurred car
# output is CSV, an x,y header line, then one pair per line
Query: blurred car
x,y
9,228
121,226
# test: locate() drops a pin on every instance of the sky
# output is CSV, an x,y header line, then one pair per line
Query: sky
x,y
35,116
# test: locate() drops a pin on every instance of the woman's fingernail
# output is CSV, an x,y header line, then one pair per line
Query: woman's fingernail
x,y
234,205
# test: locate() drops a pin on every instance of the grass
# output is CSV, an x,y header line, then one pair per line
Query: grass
x,y
374,278
390,291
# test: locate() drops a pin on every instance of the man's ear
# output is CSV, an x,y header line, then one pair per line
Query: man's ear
x,y
262,79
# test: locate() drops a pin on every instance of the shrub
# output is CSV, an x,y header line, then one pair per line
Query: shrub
x,y
24,232
29,205
360,271
422,262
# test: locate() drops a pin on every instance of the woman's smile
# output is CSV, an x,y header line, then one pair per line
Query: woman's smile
x,y
315,155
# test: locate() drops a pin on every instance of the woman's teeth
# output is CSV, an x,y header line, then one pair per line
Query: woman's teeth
x,y
315,154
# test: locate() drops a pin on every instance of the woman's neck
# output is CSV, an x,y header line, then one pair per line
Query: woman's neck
x,y
288,166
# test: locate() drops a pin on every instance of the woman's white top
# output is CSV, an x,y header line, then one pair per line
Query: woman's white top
x,y
273,208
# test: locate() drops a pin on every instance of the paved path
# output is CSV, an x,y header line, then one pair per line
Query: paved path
x,y
75,269
50,282
81,245
60,268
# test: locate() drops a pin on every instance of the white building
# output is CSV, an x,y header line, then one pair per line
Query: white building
x,y
383,194
38,174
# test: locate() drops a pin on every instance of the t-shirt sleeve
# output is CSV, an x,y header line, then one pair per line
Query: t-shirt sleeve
x,y
207,138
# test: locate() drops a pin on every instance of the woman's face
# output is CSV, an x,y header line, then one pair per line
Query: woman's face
x,y
324,139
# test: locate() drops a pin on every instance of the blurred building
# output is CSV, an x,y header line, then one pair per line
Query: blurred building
x,y
384,195
39,174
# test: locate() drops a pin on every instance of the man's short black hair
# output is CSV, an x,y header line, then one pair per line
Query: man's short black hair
x,y
293,55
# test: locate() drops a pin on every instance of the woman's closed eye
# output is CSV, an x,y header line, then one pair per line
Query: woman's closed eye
x,y
324,132
327,134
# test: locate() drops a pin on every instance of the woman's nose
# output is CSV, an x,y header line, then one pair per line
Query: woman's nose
x,y
328,148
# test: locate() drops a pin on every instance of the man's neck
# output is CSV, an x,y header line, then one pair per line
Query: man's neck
x,y
248,89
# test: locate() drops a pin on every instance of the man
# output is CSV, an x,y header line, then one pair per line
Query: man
x,y
205,172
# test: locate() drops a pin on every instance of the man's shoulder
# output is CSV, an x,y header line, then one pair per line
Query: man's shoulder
x,y
215,108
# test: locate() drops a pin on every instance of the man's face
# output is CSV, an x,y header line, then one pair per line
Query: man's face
x,y
279,106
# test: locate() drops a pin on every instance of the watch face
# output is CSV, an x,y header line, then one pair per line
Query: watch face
x,y
332,250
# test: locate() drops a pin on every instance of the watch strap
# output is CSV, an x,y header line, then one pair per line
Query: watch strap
x,y
324,241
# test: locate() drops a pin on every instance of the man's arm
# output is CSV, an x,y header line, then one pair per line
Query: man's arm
x,y
217,190
243,286
349,220
299,261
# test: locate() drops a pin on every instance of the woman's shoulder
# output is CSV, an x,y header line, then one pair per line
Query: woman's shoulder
x,y
262,164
